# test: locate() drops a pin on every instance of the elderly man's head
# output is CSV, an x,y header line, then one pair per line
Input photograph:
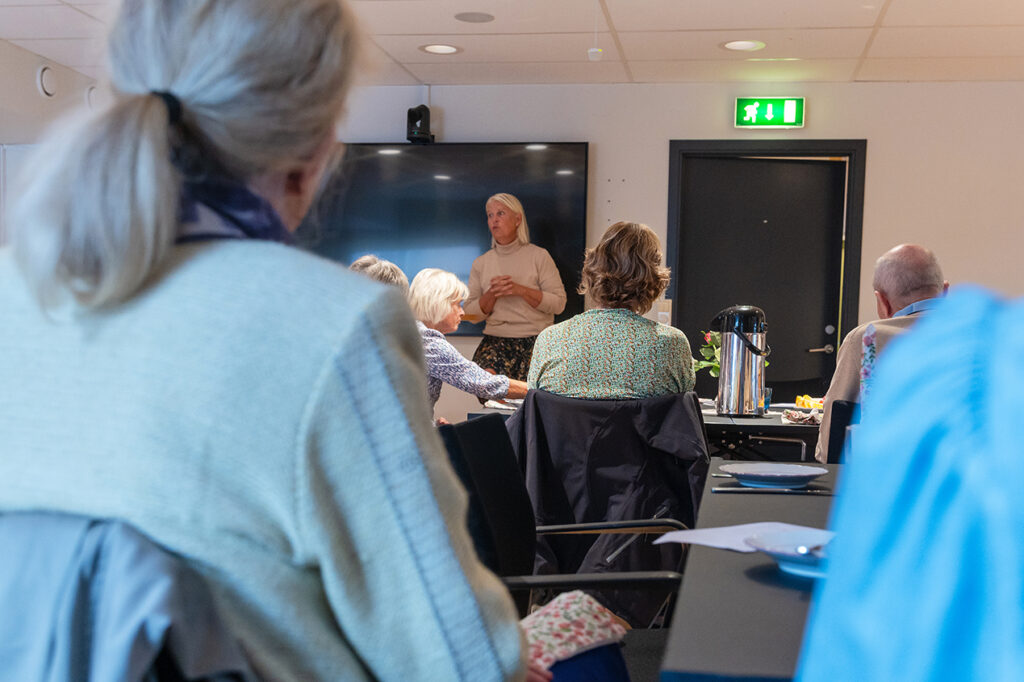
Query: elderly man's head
x,y
906,274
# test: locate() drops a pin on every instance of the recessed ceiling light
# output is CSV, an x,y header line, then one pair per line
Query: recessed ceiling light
x,y
563,171
389,152
440,49
474,17
442,177
743,45
536,147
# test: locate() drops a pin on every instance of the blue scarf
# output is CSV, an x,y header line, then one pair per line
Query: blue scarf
x,y
222,208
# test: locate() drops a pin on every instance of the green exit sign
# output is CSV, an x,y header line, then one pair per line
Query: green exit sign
x,y
769,112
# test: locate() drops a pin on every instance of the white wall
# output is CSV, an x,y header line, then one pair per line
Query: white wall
x,y
945,161
24,112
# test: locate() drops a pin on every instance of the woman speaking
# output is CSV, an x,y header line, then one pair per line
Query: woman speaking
x,y
515,287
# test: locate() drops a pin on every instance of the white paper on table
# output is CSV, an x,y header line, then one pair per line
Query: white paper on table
x,y
727,537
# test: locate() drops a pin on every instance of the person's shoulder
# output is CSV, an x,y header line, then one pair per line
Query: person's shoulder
x,y
533,251
669,332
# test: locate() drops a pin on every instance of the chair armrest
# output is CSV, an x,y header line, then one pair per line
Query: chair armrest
x,y
634,526
636,580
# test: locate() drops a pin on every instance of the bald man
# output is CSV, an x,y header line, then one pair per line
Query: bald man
x,y
908,283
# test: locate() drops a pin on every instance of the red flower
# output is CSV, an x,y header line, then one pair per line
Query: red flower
x,y
707,337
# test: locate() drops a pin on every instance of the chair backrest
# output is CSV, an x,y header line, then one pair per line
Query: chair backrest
x,y
843,413
89,599
611,460
598,460
500,519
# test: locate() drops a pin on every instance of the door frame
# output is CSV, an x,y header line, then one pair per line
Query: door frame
x,y
856,153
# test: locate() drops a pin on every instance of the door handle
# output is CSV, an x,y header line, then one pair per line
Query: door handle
x,y
827,348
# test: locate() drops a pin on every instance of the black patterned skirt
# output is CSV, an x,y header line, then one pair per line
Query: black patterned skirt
x,y
507,356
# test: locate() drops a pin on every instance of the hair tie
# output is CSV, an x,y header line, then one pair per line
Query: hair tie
x,y
172,103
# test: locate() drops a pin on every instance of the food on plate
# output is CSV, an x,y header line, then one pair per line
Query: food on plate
x,y
809,402
799,417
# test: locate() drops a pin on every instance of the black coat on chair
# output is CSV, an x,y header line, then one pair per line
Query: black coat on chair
x,y
609,460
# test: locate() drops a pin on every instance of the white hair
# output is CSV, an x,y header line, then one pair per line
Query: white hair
x,y
908,273
510,202
432,293
381,270
261,84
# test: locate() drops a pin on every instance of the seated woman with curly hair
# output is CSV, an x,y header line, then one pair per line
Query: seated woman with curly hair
x,y
612,351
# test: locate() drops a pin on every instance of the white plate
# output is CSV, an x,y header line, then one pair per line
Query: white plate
x,y
791,550
772,474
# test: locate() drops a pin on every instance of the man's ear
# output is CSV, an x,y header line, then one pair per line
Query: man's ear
x,y
883,305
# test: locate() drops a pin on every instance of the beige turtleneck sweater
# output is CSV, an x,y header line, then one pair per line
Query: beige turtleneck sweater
x,y
513,317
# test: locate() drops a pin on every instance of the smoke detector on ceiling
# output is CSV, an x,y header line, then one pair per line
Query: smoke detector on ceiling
x,y
594,54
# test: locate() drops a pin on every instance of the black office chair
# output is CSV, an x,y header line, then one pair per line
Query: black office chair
x,y
843,413
501,520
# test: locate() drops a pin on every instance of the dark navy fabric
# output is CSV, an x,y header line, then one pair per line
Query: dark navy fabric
x,y
603,664
83,599
240,212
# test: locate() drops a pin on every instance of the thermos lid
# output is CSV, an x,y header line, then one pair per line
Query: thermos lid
x,y
740,319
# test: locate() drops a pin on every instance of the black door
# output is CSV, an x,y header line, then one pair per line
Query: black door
x,y
766,232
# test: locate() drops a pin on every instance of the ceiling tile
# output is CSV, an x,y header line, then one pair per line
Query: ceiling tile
x,y
688,15
938,69
30,2
544,47
954,13
385,74
73,52
811,43
534,72
510,16
17,23
105,12
971,41
732,71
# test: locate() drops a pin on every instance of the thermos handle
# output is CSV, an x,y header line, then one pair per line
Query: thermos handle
x,y
754,349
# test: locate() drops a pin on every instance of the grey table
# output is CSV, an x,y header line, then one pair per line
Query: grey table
x,y
737,616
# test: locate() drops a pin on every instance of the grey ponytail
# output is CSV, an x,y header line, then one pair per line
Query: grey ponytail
x,y
95,224
262,85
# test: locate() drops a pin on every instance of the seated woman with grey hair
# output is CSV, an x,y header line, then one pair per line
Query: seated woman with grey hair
x,y
380,270
170,361
435,297
612,351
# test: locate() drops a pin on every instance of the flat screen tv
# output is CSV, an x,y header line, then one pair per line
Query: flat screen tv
x,y
422,205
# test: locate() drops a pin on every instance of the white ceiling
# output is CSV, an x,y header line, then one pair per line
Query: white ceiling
x,y
643,41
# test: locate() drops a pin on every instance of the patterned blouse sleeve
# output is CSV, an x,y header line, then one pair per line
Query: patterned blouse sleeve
x,y
446,363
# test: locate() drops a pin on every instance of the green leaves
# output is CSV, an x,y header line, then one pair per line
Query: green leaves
x,y
711,352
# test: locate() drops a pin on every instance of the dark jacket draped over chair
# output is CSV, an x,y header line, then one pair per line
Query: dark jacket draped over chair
x,y
608,460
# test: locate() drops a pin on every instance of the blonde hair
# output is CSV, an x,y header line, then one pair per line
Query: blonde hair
x,y
432,293
261,85
510,202
624,270
381,270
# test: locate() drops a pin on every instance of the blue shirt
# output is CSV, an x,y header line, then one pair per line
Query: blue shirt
x,y
918,306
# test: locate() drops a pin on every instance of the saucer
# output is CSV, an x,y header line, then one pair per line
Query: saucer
x,y
772,474
796,552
